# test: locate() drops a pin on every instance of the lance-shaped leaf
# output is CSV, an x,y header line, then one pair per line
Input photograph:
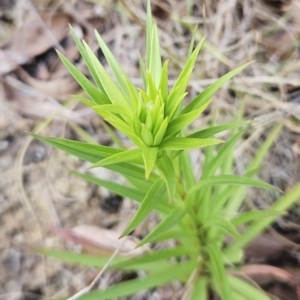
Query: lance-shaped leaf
x,y
177,272
111,89
122,190
120,125
133,155
231,180
149,157
185,74
172,219
179,143
153,196
246,290
87,60
251,216
96,95
122,111
121,76
166,168
208,132
208,92
210,168
182,121
218,271
224,225
200,289
93,153
163,85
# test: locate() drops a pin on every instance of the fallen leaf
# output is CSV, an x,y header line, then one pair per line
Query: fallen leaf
x,y
99,241
33,39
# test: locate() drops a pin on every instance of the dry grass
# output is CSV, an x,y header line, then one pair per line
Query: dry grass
x,y
237,31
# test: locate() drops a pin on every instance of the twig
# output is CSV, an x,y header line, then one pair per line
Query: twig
x,y
95,281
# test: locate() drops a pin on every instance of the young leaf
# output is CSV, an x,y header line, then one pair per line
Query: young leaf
x,y
121,76
133,155
153,196
208,92
172,219
112,91
166,169
87,60
149,156
179,143
182,121
88,87
187,170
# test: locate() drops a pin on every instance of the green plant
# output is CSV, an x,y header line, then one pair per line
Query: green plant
x,y
198,214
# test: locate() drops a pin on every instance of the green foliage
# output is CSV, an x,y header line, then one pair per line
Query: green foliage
x,y
198,213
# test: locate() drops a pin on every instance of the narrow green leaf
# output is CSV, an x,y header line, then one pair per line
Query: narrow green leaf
x,y
111,89
251,216
236,201
281,205
153,196
172,219
149,156
200,289
93,153
96,95
208,92
130,287
218,271
150,258
163,85
155,57
187,170
182,121
166,169
121,76
147,136
124,112
192,43
208,132
211,167
87,61
247,290
224,225
231,180
132,155
122,190
185,74
161,132
180,143
121,126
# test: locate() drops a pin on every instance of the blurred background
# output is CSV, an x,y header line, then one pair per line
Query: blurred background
x,y
38,196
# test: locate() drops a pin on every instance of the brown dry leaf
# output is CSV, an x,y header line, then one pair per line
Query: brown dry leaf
x,y
99,241
60,86
32,39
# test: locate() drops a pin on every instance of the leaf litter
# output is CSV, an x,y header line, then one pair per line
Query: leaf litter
x,y
34,85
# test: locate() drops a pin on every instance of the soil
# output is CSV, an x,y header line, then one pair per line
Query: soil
x,y
37,192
